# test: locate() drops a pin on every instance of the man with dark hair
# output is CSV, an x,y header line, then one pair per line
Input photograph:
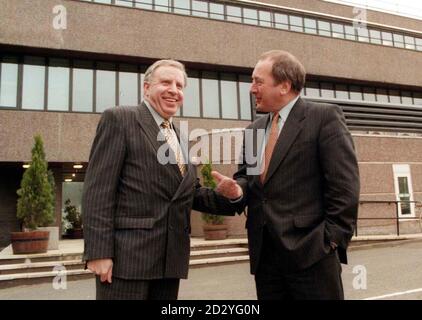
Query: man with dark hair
x,y
136,206
302,206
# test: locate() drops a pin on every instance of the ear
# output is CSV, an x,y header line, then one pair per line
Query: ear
x,y
285,87
146,89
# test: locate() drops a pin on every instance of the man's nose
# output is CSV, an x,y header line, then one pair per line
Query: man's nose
x,y
173,88
253,88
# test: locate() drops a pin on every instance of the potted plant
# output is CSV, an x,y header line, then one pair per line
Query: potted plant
x,y
35,207
74,218
214,227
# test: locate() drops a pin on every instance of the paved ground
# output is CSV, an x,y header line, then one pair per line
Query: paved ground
x,y
389,270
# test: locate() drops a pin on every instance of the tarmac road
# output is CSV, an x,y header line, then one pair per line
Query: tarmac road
x,y
393,271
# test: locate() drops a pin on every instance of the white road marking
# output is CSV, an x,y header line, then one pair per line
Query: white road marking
x,y
394,294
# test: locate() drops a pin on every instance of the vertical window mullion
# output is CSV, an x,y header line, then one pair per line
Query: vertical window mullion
x,y
47,67
71,85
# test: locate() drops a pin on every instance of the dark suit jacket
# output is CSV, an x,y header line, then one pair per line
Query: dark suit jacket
x,y
310,195
135,210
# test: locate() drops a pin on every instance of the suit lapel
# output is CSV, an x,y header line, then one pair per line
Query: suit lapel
x,y
290,131
258,144
151,130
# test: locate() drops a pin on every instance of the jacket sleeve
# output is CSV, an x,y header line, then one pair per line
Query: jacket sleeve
x,y
341,177
101,186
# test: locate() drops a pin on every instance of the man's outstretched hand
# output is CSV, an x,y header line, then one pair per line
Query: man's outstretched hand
x,y
226,186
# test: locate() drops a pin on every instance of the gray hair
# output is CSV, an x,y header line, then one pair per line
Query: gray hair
x,y
286,67
164,63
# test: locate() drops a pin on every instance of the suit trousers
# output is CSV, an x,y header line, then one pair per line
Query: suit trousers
x,y
320,281
122,289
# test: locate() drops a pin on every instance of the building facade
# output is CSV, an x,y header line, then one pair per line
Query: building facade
x,y
62,62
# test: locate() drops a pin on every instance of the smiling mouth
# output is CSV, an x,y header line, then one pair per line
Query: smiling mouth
x,y
170,99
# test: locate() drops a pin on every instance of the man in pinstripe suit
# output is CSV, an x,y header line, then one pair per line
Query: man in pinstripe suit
x,y
136,209
302,206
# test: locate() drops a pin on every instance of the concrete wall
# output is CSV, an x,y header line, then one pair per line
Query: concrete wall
x,y
106,29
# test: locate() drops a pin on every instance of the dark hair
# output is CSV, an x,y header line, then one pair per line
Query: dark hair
x,y
286,67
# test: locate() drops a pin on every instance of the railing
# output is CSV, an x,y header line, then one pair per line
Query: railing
x,y
398,217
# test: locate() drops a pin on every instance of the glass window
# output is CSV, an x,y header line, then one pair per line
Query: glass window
x,y
144,4
281,21
327,90
199,8
9,82
395,96
417,98
310,26
387,38
406,97
338,30
128,87
33,83
250,16
105,88
382,96
350,32
229,96
369,94
356,93
264,18
181,6
375,36
409,42
58,85
324,28
245,98
125,3
191,100
418,44
404,195
234,14
102,1
312,89
216,11
398,40
83,82
210,95
296,23
162,5
363,34
342,92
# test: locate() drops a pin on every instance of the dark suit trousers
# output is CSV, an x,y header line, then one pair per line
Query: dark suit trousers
x,y
121,289
321,281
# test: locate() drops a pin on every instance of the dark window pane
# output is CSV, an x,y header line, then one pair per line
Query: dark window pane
x,y
395,96
217,11
382,96
128,88
245,98
296,23
312,89
191,99
375,36
338,30
82,89
342,92
324,28
356,93
363,34
417,98
398,40
350,33
406,97
144,4
105,88
264,18
327,90
310,26
369,94
409,43
181,6
387,38
162,5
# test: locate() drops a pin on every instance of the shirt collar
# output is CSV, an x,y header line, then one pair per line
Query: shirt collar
x,y
285,111
157,117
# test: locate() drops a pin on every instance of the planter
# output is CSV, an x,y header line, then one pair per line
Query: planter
x,y
215,231
29,242
53,241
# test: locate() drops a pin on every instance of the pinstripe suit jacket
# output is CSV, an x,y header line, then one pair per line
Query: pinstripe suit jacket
x,y
310,195
135,210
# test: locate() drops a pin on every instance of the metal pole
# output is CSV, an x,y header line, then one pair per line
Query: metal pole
x,y
397,218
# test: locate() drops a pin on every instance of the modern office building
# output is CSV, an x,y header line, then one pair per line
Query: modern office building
x,y
62,62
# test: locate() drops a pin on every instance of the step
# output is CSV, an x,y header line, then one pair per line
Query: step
x,y
39,257
216,253
218,261
218,244
40,266
13,280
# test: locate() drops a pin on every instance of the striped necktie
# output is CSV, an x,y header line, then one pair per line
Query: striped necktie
x,y
174,145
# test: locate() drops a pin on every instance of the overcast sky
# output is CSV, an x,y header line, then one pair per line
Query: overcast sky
x,y
411,8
